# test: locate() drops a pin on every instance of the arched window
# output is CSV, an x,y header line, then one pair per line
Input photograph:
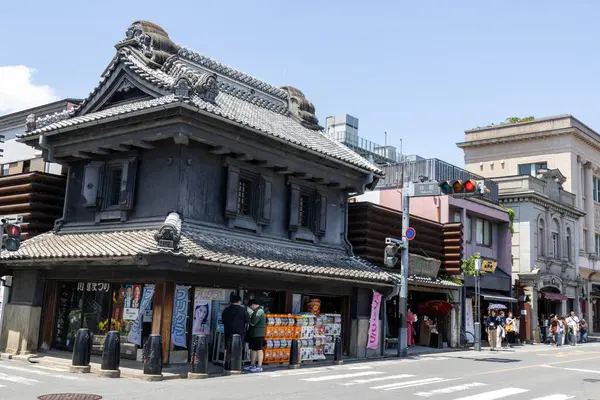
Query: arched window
x,y
568,243
541,237
555,239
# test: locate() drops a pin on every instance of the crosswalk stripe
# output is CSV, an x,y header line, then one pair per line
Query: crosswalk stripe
x,y
1,386
314,371
17,379
342,376
496,394
384,378
31,370
419,384
555,397
450,389
402,384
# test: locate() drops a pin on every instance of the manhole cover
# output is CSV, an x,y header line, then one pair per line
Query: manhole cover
x,y
70,396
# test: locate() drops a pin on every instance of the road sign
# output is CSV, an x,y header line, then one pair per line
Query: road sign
x,y
424,189
410,233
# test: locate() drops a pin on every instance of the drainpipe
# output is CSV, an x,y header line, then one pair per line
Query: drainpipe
x,y
43,143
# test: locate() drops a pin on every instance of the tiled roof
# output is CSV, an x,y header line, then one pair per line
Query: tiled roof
x,y
267,111
420,280
199,246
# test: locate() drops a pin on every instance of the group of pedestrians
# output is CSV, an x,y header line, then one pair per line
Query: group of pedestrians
x,y
251,324
500,328
569,328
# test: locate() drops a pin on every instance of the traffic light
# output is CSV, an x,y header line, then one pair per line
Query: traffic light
x,y
13,239
467,187
389,257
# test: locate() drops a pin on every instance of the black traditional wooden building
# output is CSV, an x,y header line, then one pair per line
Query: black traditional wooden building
x,y
256,196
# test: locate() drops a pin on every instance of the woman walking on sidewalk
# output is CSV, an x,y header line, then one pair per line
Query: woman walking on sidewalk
x,y
510,329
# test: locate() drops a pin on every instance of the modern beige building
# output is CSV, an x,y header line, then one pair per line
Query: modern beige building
x,y
555,143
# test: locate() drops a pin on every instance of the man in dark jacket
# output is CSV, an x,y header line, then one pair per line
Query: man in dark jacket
x,y
235,318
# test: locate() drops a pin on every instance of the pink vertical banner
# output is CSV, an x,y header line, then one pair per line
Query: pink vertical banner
x,y
373,322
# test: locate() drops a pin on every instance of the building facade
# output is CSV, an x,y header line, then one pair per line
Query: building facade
x,y
564,143
188,181
544,242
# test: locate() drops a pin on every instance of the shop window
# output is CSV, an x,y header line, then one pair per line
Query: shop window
x,y
26,166
484,232
308,211
555,239
110,187
248,196
596,191
128,304
456,216
468,229
597,245
541,237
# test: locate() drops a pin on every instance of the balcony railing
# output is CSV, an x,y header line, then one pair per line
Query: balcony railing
x,y
433,169
369,150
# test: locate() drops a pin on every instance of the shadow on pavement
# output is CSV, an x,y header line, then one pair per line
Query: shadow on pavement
x,y
497,360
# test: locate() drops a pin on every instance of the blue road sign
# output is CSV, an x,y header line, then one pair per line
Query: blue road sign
x,y
410,233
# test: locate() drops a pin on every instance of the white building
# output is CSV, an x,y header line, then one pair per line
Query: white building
x,y
564,143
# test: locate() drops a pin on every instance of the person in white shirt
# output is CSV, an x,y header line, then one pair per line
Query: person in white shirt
x,y
573,326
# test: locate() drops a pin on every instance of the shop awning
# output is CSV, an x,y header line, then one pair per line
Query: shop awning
x,y
498,297
554,296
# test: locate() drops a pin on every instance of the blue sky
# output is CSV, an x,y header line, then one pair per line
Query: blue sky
x,y
422,71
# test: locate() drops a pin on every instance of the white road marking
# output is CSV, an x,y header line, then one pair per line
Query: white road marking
x,y
450,389
52,368
18,379
555,397
403,384
1,386
384,378
342,376
590,371
31,370
313,371
496,394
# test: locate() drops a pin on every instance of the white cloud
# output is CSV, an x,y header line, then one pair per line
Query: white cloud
x,y
18,92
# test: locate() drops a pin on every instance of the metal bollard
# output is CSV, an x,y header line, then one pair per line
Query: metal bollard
x,y
233,364
81,352
111,356
152,356
294,355
199,363
337,351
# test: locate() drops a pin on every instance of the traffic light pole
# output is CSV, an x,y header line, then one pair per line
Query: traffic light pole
x,y
403,339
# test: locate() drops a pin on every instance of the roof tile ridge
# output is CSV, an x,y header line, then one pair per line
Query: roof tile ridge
x,y
231,72
253,98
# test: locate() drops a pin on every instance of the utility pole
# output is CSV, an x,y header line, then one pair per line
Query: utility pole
x,y
403,339
477,323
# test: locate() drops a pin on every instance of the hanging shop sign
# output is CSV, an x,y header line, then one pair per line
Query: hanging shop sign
x,y
180,310
488,266
373,340
423,266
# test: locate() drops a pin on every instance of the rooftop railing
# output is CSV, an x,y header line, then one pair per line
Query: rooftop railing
x,y
433,169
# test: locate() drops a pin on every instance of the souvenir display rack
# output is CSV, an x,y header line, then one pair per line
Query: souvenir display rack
x,y
333,329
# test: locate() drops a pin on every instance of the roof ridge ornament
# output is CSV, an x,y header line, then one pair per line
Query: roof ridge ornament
x,y
190,83
301,109
150,42
169,234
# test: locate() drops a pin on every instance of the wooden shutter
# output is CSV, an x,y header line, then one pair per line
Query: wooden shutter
x,y
128,177
294,206
231,200
321,225
266,190
92,174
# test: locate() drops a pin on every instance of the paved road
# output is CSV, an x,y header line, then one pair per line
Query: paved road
x,y
535,372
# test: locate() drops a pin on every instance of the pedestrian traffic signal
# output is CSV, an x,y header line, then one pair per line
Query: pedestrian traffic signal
x,y
468,187
13,237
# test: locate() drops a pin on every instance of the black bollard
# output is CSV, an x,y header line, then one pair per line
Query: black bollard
x,y
337,351
82,351
233,362
152,356
199,364
111,355
294,355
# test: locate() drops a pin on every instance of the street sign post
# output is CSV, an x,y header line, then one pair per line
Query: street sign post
x,y
424,189
410,233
